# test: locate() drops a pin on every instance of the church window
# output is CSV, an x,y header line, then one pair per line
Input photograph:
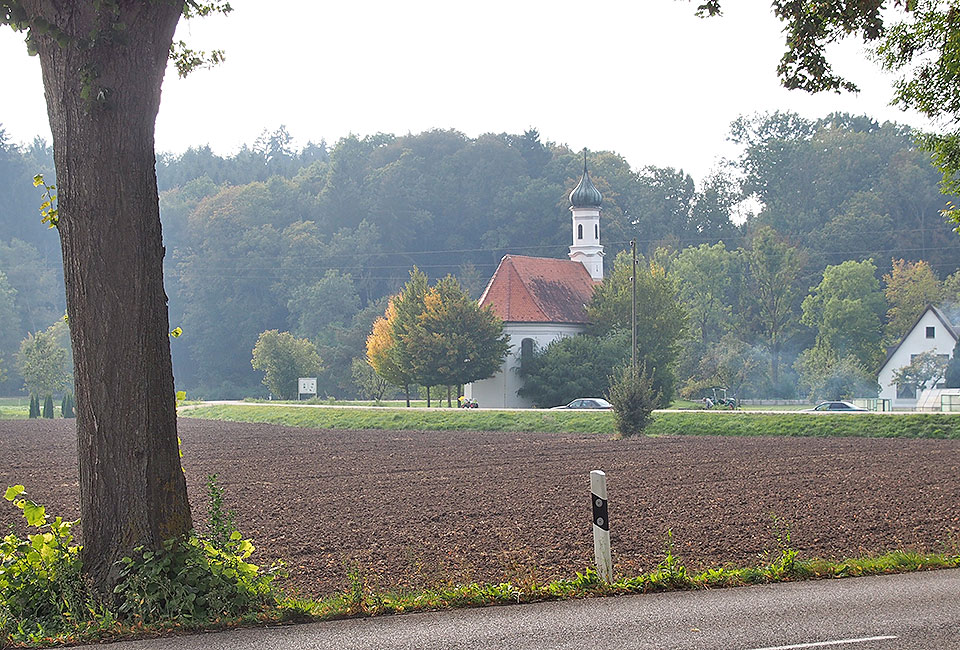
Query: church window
x,y
579,231
596,231
526,351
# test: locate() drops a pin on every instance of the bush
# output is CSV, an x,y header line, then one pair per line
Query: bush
x,y
40,583
633,398
43,594
34,406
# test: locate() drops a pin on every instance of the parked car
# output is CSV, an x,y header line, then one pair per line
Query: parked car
x,y
587,403
835,407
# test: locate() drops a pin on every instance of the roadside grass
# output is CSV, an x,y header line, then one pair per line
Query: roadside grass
x,y
360,601
719,423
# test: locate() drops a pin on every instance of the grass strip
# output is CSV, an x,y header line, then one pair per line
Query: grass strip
x,y
410,419
359,601
865,425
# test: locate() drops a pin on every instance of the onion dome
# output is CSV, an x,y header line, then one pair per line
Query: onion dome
x,y
585,195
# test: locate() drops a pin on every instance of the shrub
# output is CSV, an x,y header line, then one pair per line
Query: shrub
x,y
633,398
40,584
34,406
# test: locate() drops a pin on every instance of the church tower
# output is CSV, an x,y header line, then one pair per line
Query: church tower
x,y
585,202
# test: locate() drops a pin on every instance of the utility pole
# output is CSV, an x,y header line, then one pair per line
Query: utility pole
x,y
633,315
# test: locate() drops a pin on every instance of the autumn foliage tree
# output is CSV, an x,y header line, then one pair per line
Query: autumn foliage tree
x,y
436,336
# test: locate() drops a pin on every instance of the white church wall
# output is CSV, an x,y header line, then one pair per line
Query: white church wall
x,y
500,391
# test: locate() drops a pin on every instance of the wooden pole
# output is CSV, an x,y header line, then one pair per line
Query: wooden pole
x,y
601,525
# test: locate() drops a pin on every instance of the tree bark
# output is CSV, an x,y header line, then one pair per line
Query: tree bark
x,y
102,102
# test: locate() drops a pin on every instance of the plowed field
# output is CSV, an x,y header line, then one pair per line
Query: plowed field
x,y
413,508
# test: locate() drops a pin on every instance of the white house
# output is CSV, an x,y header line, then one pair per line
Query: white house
x,y
932,331
542,299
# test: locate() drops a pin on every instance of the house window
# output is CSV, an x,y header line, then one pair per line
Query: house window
x,y
579,231
931,332
906,391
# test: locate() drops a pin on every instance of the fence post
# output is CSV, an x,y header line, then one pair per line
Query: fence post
x,y
601,525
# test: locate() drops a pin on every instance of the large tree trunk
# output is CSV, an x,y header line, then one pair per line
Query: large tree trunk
x,y
102,103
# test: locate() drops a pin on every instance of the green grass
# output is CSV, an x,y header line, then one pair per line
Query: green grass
x,y
860,425
410,419
866,425
360,601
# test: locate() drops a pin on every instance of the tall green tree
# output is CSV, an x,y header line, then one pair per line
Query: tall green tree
x,y
846,311
283,359
661,319
705,279
42,364
773,292
103,66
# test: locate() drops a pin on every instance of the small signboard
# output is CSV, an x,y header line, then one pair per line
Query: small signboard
x,y
307,386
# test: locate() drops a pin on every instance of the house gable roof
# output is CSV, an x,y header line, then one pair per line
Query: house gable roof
x,y
539,290
952,330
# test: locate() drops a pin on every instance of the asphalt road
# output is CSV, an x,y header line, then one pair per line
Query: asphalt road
x,y
918,611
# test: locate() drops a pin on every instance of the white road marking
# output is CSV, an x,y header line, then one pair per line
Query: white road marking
x,y
823,644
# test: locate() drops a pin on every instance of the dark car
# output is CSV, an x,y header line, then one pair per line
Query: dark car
x,y
835,407
587,403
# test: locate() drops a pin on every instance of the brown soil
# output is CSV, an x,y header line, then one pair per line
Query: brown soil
x,y
414,508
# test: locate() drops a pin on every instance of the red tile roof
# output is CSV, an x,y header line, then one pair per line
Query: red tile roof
x,y
539,290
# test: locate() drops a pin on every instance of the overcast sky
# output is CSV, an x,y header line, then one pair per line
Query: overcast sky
x,y
644,78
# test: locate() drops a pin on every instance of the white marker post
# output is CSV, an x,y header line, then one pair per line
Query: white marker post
x,y
601,524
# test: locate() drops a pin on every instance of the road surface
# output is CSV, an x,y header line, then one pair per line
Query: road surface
x,y
917,611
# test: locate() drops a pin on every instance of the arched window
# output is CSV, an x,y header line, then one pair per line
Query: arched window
x,y
526,351
579,231
596,231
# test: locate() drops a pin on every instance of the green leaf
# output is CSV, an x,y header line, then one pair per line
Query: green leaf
x,y
36,515
13,492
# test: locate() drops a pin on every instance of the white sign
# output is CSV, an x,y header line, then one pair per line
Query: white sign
x,y
308,386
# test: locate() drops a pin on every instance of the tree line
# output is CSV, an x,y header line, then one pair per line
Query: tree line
x,y
313,241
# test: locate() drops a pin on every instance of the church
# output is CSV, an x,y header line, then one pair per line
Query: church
x,y
542,299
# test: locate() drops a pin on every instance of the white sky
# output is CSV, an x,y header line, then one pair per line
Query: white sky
x,y
644,78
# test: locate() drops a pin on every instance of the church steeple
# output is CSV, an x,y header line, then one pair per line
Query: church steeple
x,y
585,200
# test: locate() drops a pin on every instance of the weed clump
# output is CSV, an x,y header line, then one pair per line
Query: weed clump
x,y
197,580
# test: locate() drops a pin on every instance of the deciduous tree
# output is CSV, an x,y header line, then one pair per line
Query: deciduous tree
x,y
42,364
924,370
283,358
455,341
103,64
845,310
774,270
910,288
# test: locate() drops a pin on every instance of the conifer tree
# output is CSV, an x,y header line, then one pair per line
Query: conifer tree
x,y
48,407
